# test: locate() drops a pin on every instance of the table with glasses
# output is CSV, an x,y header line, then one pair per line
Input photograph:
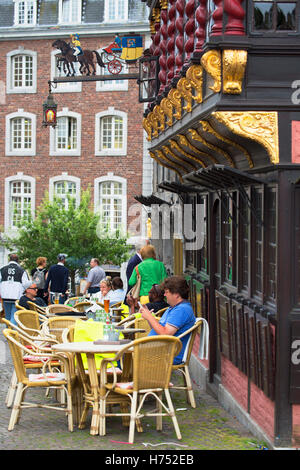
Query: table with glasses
x,y
90,381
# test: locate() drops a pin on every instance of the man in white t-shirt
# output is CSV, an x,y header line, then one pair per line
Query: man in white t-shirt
x,y
95,276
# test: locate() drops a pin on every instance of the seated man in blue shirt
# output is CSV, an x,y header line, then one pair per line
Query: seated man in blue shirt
x,y
178,318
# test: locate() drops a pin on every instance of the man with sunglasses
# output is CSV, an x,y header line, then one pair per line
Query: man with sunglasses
x,y
30,294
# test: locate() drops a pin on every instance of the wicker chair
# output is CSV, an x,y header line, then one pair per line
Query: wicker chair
x,y
160,312
83,306
56,325
29,321
72,301
45,380
54,309
37,308
29,361
184,366
152,367
19,307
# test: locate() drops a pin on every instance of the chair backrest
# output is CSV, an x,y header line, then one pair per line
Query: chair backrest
x,y
153,360
160,312
19,307
56,325
116,304
189,346
68,334
36,308
72,301
58,308
82,306
144,324
28,319
16,350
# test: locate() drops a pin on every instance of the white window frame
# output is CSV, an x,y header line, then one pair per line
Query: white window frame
x,y
10,88
8,181
23,152
116,19
16,13
68,87
106,86
111,111
113,178
60,152
60,12
64,177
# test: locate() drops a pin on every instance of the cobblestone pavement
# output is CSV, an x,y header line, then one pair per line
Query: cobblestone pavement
x,y
208,427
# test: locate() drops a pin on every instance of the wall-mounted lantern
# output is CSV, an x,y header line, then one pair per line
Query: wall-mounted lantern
x,y
49,110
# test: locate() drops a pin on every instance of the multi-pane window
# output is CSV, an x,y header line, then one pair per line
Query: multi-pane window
x,y
271,263
110,203
66,133
245,224
25,12
20,202
227,239
274,15
204,250
21,134
110,84
111,130
258,243
116,10
22,71
70,11
64,190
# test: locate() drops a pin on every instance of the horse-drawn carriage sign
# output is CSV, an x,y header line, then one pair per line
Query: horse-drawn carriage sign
x,y
122,51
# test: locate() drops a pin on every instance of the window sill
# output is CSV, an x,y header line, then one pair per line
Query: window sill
x,y
111,154
20,154
21,90
65,154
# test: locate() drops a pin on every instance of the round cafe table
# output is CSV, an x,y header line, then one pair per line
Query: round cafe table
x,y
90,382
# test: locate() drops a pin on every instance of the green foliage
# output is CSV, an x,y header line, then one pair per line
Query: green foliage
x,y
76,231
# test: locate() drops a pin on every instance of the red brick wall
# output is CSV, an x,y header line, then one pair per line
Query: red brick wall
x,y
87,103
261,407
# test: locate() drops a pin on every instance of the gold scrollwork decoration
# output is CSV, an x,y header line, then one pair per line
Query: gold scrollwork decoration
x,y
148,128
178,164
167,108
163,163
185,89
260,126
195,76
233,65
175,98
211,62
160,117
176,146
184,141
207,127
154,124
196,136
173,155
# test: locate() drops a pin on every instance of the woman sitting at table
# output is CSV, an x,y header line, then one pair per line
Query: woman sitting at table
x,y
118,293
105,290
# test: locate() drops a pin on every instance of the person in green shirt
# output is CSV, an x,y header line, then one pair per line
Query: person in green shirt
x,y
151,271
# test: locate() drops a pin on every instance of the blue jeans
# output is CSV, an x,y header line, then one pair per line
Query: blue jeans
x,y
10,309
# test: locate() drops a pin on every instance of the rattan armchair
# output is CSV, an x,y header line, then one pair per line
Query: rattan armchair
x,y
29,321
56,325
57,380
72,301
152,367
83,306
29,361
18,306
54,309
37,308
183,367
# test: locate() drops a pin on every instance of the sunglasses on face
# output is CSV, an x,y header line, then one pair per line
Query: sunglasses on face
x,y
33,288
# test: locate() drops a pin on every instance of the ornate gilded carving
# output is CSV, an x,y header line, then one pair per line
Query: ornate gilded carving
x,y
184,141
195,76
160,154
234,65
175,145
259,126
211,62
173,155
167,109
196,136
185,89
207,127
162,163
148,128
154,124
160,117
175,98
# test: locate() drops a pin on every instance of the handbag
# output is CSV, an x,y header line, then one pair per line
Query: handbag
x,y
135,290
